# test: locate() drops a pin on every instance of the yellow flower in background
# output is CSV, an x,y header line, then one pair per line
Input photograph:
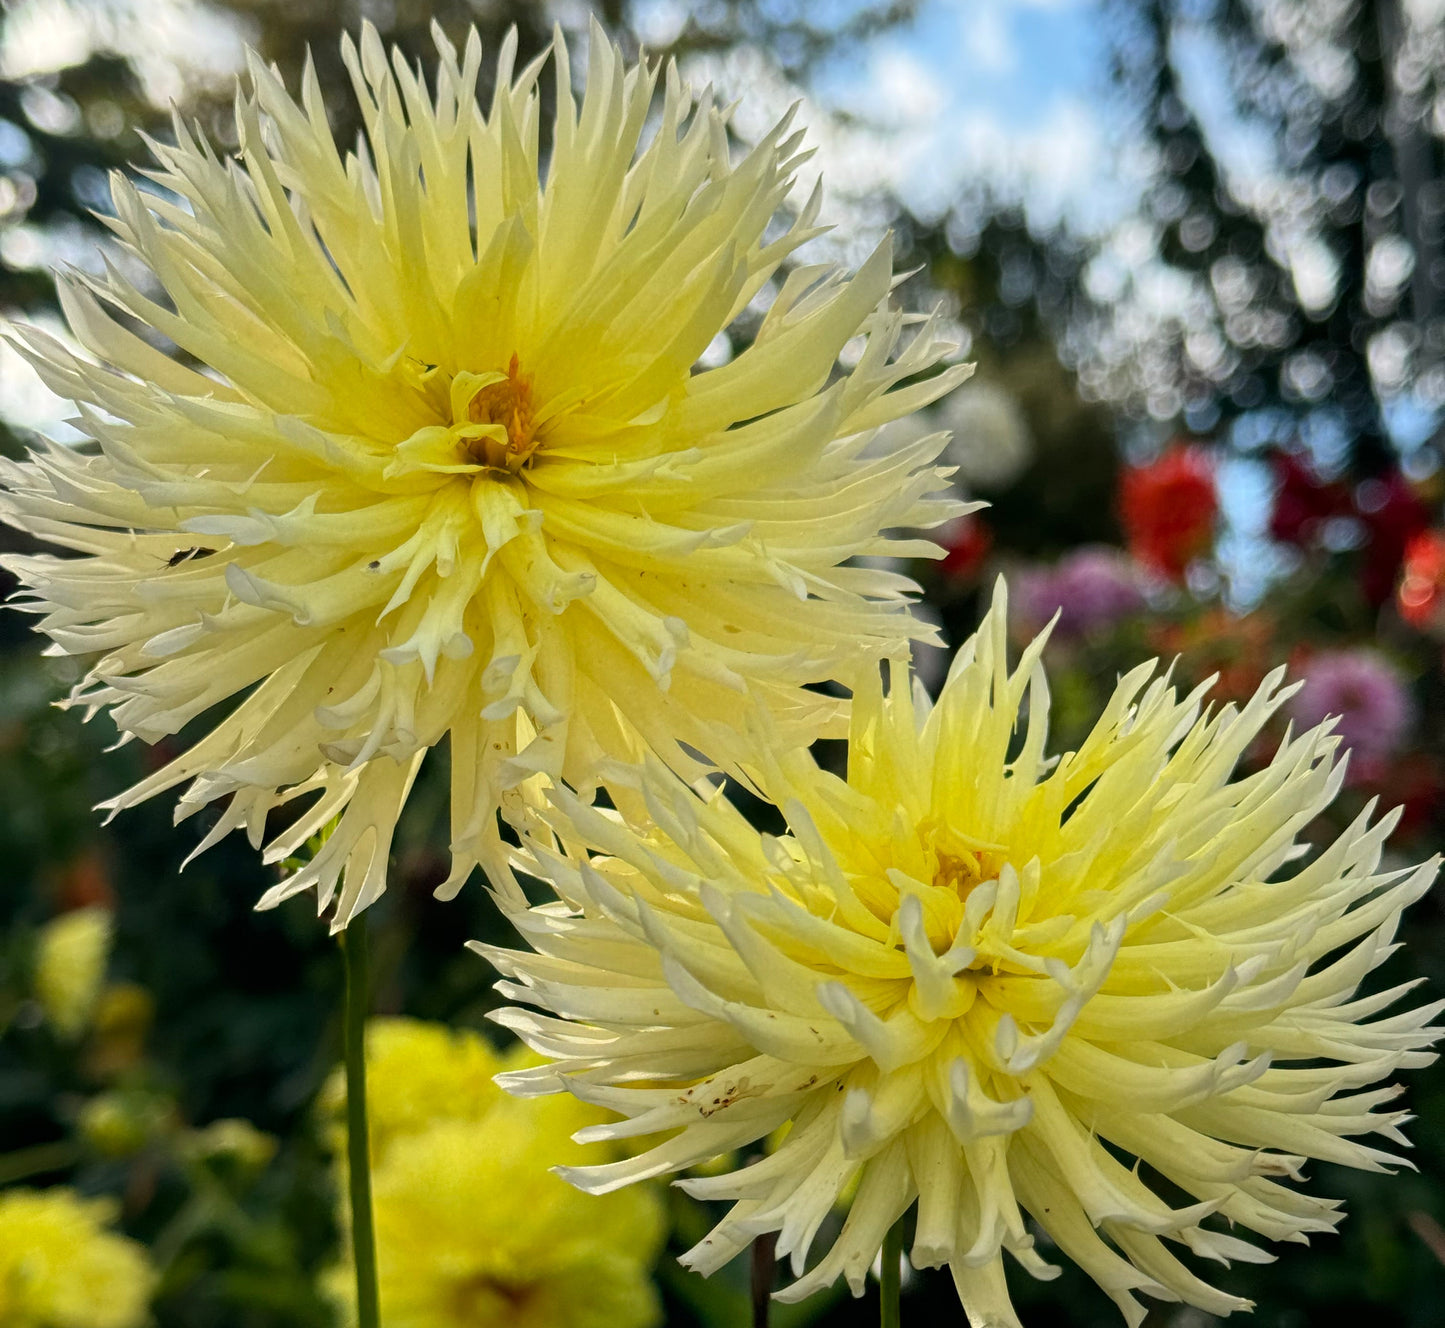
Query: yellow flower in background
x,y
983,982
418,1074
61,1268
472,1229
70,961
446,467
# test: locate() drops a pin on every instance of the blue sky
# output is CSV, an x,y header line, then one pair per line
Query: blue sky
x,y
1014,93
1013,57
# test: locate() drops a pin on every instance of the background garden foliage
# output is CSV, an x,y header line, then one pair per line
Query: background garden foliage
x,y
165,1052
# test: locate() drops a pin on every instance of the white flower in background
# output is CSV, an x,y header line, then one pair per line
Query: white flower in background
x,y
435,462
980,981
991,443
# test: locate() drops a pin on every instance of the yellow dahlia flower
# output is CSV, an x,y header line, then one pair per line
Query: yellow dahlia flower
x,y
983,981
472,1230
419,1075
61,1268
441,463
70,964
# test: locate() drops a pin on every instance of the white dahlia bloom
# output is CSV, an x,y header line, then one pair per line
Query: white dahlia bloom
x,y
436,460
983,981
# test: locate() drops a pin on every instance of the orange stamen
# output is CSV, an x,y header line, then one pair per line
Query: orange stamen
x,y
508,403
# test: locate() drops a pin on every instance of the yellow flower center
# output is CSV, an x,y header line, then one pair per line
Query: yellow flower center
x,y
961,871
508,403
960,862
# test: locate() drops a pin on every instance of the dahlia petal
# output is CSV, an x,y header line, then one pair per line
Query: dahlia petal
x,y
987,981
447,469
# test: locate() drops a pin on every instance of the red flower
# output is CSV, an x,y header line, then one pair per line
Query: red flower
x,y
1421,596
1394,514
968,542
85,880
1303,502
1414,785
1168,509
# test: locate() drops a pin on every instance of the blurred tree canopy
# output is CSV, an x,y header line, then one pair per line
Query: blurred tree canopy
x,y
1292,287
1312,277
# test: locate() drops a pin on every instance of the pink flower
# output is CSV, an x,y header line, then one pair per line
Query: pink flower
x,y
1368,694
1091,588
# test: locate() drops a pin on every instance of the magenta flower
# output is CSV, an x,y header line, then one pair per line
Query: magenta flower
x,y
1369,696
1091,588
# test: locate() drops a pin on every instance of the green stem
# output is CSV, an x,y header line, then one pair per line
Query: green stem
x,y
358,1138
890,1277
41,1158
765,1262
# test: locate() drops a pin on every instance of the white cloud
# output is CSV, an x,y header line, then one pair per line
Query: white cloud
x,y
914,129
986,39
985,29
1057,165
901,89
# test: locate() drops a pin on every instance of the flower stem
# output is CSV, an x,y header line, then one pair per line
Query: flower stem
x,y
33,1161
764,1266
890,1277
358,1137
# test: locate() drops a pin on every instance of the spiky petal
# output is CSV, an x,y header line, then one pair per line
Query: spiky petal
x,y
439,464
974,979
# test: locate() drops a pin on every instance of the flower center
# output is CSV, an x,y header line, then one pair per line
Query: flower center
x,y
487,1297
961,871
960,861
508,403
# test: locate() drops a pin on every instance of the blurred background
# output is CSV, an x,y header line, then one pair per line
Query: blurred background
x,y
1197,250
